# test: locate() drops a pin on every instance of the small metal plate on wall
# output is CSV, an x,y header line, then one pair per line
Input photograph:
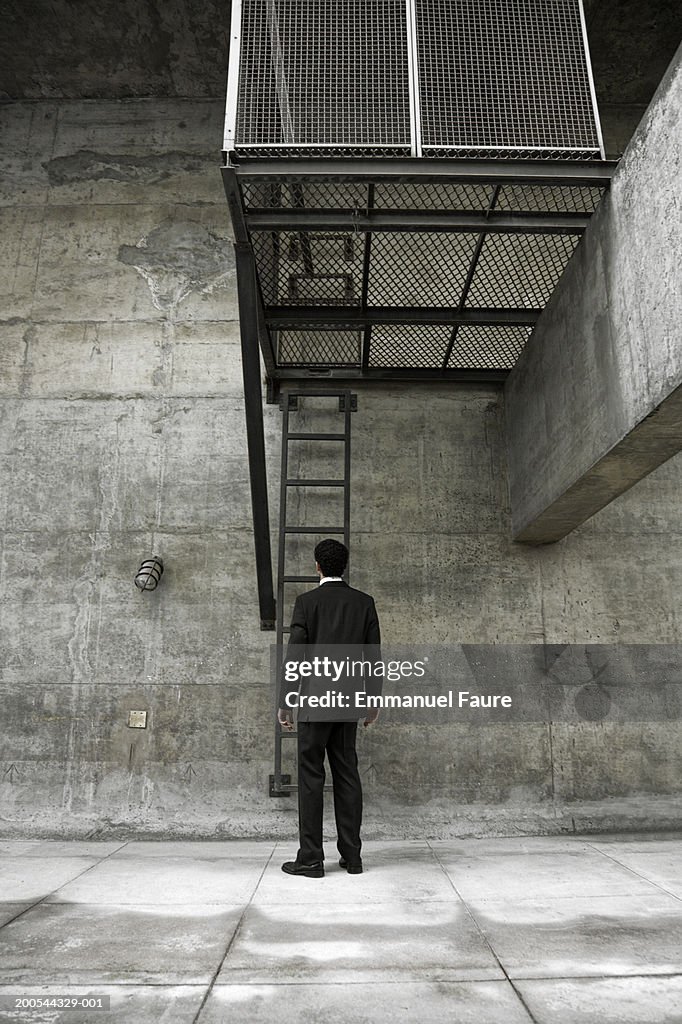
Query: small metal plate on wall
x,y
137,719
285,780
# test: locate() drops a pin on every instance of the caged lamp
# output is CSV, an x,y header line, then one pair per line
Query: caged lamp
x,y
149,573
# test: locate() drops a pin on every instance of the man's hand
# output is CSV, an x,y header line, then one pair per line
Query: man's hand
x,y
371,717
285,719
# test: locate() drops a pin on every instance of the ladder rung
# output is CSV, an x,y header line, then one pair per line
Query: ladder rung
x,y
316,483
300,579
316,437
314,529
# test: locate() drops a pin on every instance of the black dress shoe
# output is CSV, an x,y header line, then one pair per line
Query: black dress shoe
x,y
352,869
314,870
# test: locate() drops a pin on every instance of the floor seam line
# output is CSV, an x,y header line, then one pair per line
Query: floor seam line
x,y
232,940
49,894
484,937
636,873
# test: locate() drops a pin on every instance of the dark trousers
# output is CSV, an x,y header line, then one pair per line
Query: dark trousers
x,y
338,740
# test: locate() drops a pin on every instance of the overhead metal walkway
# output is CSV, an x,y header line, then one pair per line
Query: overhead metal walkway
x,y
405,270
410,178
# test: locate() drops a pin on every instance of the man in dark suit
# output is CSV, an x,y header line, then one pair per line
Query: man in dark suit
x,y
330,615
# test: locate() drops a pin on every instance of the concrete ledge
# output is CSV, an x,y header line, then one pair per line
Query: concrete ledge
x,y
593,404
653,441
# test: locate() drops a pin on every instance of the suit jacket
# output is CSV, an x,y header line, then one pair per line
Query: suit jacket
x,y
326,620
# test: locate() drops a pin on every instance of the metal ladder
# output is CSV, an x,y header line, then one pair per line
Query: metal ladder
x,y
281,784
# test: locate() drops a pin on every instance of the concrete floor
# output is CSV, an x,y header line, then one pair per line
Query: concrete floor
x,y
496,931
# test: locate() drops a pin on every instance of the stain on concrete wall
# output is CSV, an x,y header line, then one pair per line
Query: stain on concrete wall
x,y
88,165
179,257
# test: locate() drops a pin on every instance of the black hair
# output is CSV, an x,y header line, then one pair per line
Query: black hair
x,y
332,557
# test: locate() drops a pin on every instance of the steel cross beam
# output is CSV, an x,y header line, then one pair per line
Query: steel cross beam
x,y
582,173
357,376
352,316
470,221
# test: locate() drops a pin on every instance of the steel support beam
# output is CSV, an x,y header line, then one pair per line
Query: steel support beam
x,y
582,173
377,374
469,221
247,290
302,317
378,377
241,236
234,203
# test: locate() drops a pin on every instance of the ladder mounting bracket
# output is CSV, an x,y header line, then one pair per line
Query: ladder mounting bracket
x,y
353,403
284,780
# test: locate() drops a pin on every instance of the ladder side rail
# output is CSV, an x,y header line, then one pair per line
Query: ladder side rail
x,y
280,785
281,559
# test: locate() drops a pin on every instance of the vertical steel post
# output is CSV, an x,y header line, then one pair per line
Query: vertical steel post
x,y
590,78
347,409
255,436
413,79
277,779
230,130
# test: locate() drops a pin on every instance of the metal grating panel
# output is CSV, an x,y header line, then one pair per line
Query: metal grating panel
x,y
420,269
494,348
328,74
414,346
519,271
430,196
306,195
332,347
549,198
423,196
426,346
340,195
505,78
309,268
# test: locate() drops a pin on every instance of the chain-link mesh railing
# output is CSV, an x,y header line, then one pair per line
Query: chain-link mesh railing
x,y
505,78
434,78
323,77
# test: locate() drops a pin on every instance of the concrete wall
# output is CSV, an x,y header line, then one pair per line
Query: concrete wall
x,y
121,435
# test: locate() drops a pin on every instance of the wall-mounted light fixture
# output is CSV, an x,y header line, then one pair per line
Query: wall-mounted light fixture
x,y
149,573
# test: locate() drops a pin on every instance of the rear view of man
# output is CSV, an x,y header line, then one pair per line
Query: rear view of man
x,y
331,614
